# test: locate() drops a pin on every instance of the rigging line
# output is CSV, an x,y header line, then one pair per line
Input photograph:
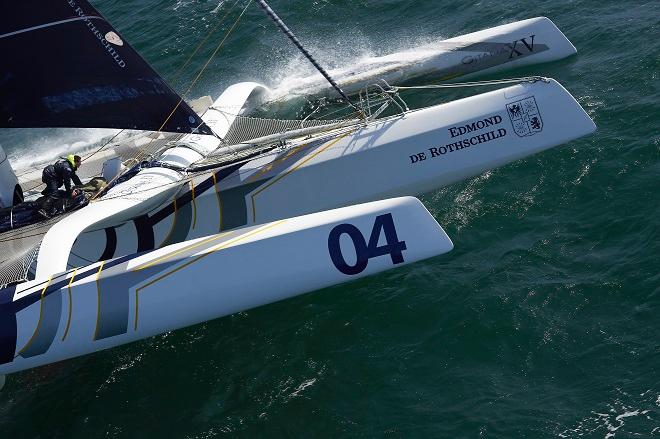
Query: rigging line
x,y
20,232
139,156
21,237
201,72
326,115
185,64
473,84
88,156
273,16
199,46
186,180
17,232
176,74
183,181
322,116
371,103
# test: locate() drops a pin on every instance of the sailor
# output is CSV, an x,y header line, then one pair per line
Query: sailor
x,y
63,172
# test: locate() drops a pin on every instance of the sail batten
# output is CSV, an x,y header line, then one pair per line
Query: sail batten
x,y
54,23
70,68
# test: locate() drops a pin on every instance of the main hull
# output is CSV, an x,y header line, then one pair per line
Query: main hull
x,y
406,155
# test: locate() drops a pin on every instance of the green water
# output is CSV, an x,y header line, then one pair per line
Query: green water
x,y
543,322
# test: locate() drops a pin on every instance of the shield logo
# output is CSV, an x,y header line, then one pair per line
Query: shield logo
x,y
113,38
525,117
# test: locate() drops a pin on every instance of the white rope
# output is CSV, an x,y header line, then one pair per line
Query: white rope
x,y
475,83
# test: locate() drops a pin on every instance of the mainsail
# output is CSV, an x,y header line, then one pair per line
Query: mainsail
x,y
64,65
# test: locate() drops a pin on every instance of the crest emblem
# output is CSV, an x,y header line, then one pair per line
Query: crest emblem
x,y
113,38
525,117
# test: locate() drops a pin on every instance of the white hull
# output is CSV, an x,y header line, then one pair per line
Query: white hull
x,y
522,43
381,160
118,301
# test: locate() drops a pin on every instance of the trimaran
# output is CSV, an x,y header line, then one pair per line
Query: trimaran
x,y
237,212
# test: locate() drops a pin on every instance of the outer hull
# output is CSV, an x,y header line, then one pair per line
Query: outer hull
x,y
126,299
522,43
407,155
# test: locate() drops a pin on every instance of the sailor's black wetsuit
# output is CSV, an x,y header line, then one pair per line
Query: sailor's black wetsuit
x,y
61,173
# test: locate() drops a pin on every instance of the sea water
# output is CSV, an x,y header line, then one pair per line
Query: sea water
x,y
543,322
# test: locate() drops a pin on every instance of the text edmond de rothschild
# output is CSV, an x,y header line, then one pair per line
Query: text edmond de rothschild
x,y
461,130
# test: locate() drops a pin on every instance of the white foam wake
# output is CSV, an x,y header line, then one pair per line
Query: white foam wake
x,y
298,77
34,148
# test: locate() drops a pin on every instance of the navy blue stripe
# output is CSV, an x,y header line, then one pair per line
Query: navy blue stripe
x,y
8,331
145,233
110,244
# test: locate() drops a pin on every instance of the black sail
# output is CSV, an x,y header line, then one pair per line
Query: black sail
x,y
64,65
